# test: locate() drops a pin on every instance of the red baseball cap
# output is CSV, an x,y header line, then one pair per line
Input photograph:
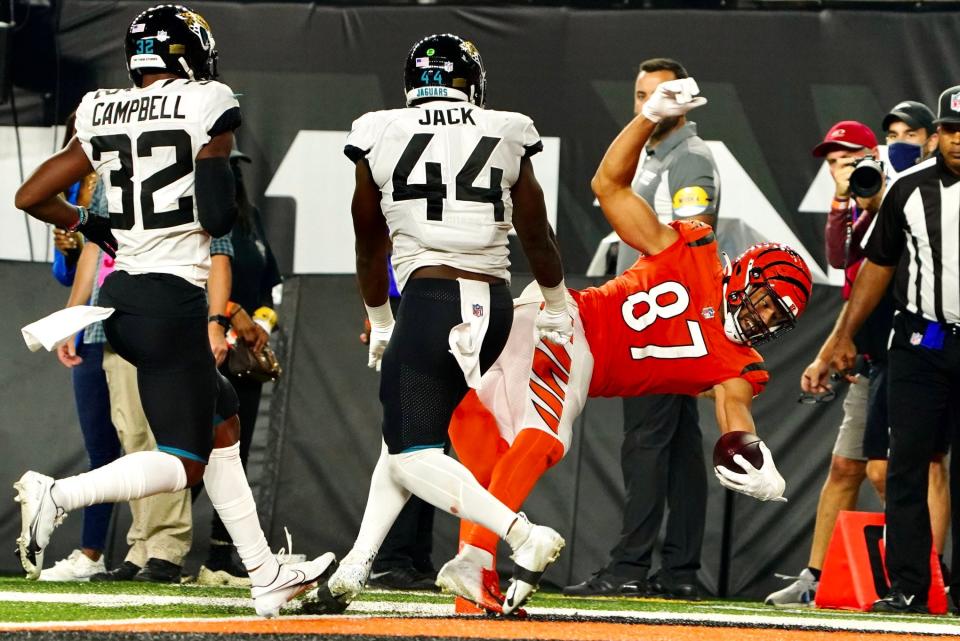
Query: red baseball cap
x,y
848,134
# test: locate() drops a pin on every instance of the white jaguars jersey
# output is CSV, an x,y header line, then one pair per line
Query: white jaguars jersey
x,y
143,142
445,170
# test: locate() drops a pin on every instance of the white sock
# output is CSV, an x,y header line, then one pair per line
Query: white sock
x,y
133,476
444,482
518,532
481,557
230,494
384,502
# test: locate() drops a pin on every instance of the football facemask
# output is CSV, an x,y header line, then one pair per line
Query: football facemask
x,y
765,291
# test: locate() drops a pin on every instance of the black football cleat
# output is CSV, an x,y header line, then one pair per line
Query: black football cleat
x,y
896,602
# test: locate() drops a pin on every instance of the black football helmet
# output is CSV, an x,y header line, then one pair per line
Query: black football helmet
x,y
171,38
445,66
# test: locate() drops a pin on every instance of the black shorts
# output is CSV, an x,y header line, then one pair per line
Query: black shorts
x,y
420,381
160,327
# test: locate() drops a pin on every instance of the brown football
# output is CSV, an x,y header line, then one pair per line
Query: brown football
x,y
746,444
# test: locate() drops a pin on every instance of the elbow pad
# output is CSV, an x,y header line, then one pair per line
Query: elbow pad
x,y
216,196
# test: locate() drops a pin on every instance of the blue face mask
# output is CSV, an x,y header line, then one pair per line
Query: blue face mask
x,y
903,155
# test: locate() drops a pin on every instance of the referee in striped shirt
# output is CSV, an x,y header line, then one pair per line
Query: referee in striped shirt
x,y
915,240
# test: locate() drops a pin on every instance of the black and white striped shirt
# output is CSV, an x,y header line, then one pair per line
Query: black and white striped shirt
x,y
918,230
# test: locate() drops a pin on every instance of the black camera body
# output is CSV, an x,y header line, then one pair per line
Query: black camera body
x,y
867,177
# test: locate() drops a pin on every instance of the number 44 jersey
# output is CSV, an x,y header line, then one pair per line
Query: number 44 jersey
x,y
658,327
445,170
143,142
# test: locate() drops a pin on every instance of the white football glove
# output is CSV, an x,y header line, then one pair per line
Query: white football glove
x,y
554,325
381,329
764,484
379,337
672,98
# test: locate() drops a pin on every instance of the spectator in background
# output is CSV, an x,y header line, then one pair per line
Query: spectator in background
x,y
911,134
253,275
909,240
90,394
662,453
844,144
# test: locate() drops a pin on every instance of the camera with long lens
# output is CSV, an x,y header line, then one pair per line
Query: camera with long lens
x,y
867,177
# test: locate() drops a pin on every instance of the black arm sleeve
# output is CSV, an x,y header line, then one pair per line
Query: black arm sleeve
x,y
216,196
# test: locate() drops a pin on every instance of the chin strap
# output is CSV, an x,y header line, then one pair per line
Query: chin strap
x,y
730,326
186,68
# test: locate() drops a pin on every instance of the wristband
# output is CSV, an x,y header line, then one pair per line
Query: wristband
x,y
840,203
82,217
555,297
381,316
232,308
220,319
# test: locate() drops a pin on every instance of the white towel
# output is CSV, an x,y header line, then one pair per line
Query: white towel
x,y
466,339
58,327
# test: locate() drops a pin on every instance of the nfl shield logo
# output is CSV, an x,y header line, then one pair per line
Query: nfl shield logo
x,y
916,337
955,101
477,309
707,312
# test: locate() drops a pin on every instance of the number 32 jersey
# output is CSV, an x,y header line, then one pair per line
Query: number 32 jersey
x,y
658,328
143,142
444,170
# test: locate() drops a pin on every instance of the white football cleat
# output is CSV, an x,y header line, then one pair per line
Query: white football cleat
x,y
343,586
799,594
531,558
470,576
39,516
292,580
76,567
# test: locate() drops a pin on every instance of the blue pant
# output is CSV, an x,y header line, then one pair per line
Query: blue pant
x,y
99,436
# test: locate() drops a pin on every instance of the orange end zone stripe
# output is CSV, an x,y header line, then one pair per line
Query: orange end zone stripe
x,y
483,628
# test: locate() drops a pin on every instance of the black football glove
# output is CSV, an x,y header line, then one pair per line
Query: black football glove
x,y
97,230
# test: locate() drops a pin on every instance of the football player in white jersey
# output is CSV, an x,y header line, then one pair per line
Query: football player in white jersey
x,y
441,182
161,148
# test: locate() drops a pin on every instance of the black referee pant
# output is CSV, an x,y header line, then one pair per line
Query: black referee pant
x,y
663,465
923,389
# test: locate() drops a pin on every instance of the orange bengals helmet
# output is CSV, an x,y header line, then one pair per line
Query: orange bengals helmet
x,y
764,292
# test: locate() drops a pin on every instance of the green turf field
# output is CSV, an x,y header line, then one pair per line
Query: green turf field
x,y
26,601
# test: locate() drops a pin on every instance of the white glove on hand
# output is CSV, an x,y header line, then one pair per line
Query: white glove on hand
x,y
672,98
554,325
379,337
381,329
764,484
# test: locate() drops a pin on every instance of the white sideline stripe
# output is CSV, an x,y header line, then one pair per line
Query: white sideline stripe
x,y
121,600
362,608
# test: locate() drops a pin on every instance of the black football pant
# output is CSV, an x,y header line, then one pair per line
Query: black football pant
x,y
923,388
663,465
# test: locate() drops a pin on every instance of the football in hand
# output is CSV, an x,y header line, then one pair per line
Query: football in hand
x,y
746,444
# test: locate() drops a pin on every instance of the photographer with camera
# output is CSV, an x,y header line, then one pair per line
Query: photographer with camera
x,y
845,145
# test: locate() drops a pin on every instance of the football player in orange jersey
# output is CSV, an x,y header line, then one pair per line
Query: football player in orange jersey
x,y
676,322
